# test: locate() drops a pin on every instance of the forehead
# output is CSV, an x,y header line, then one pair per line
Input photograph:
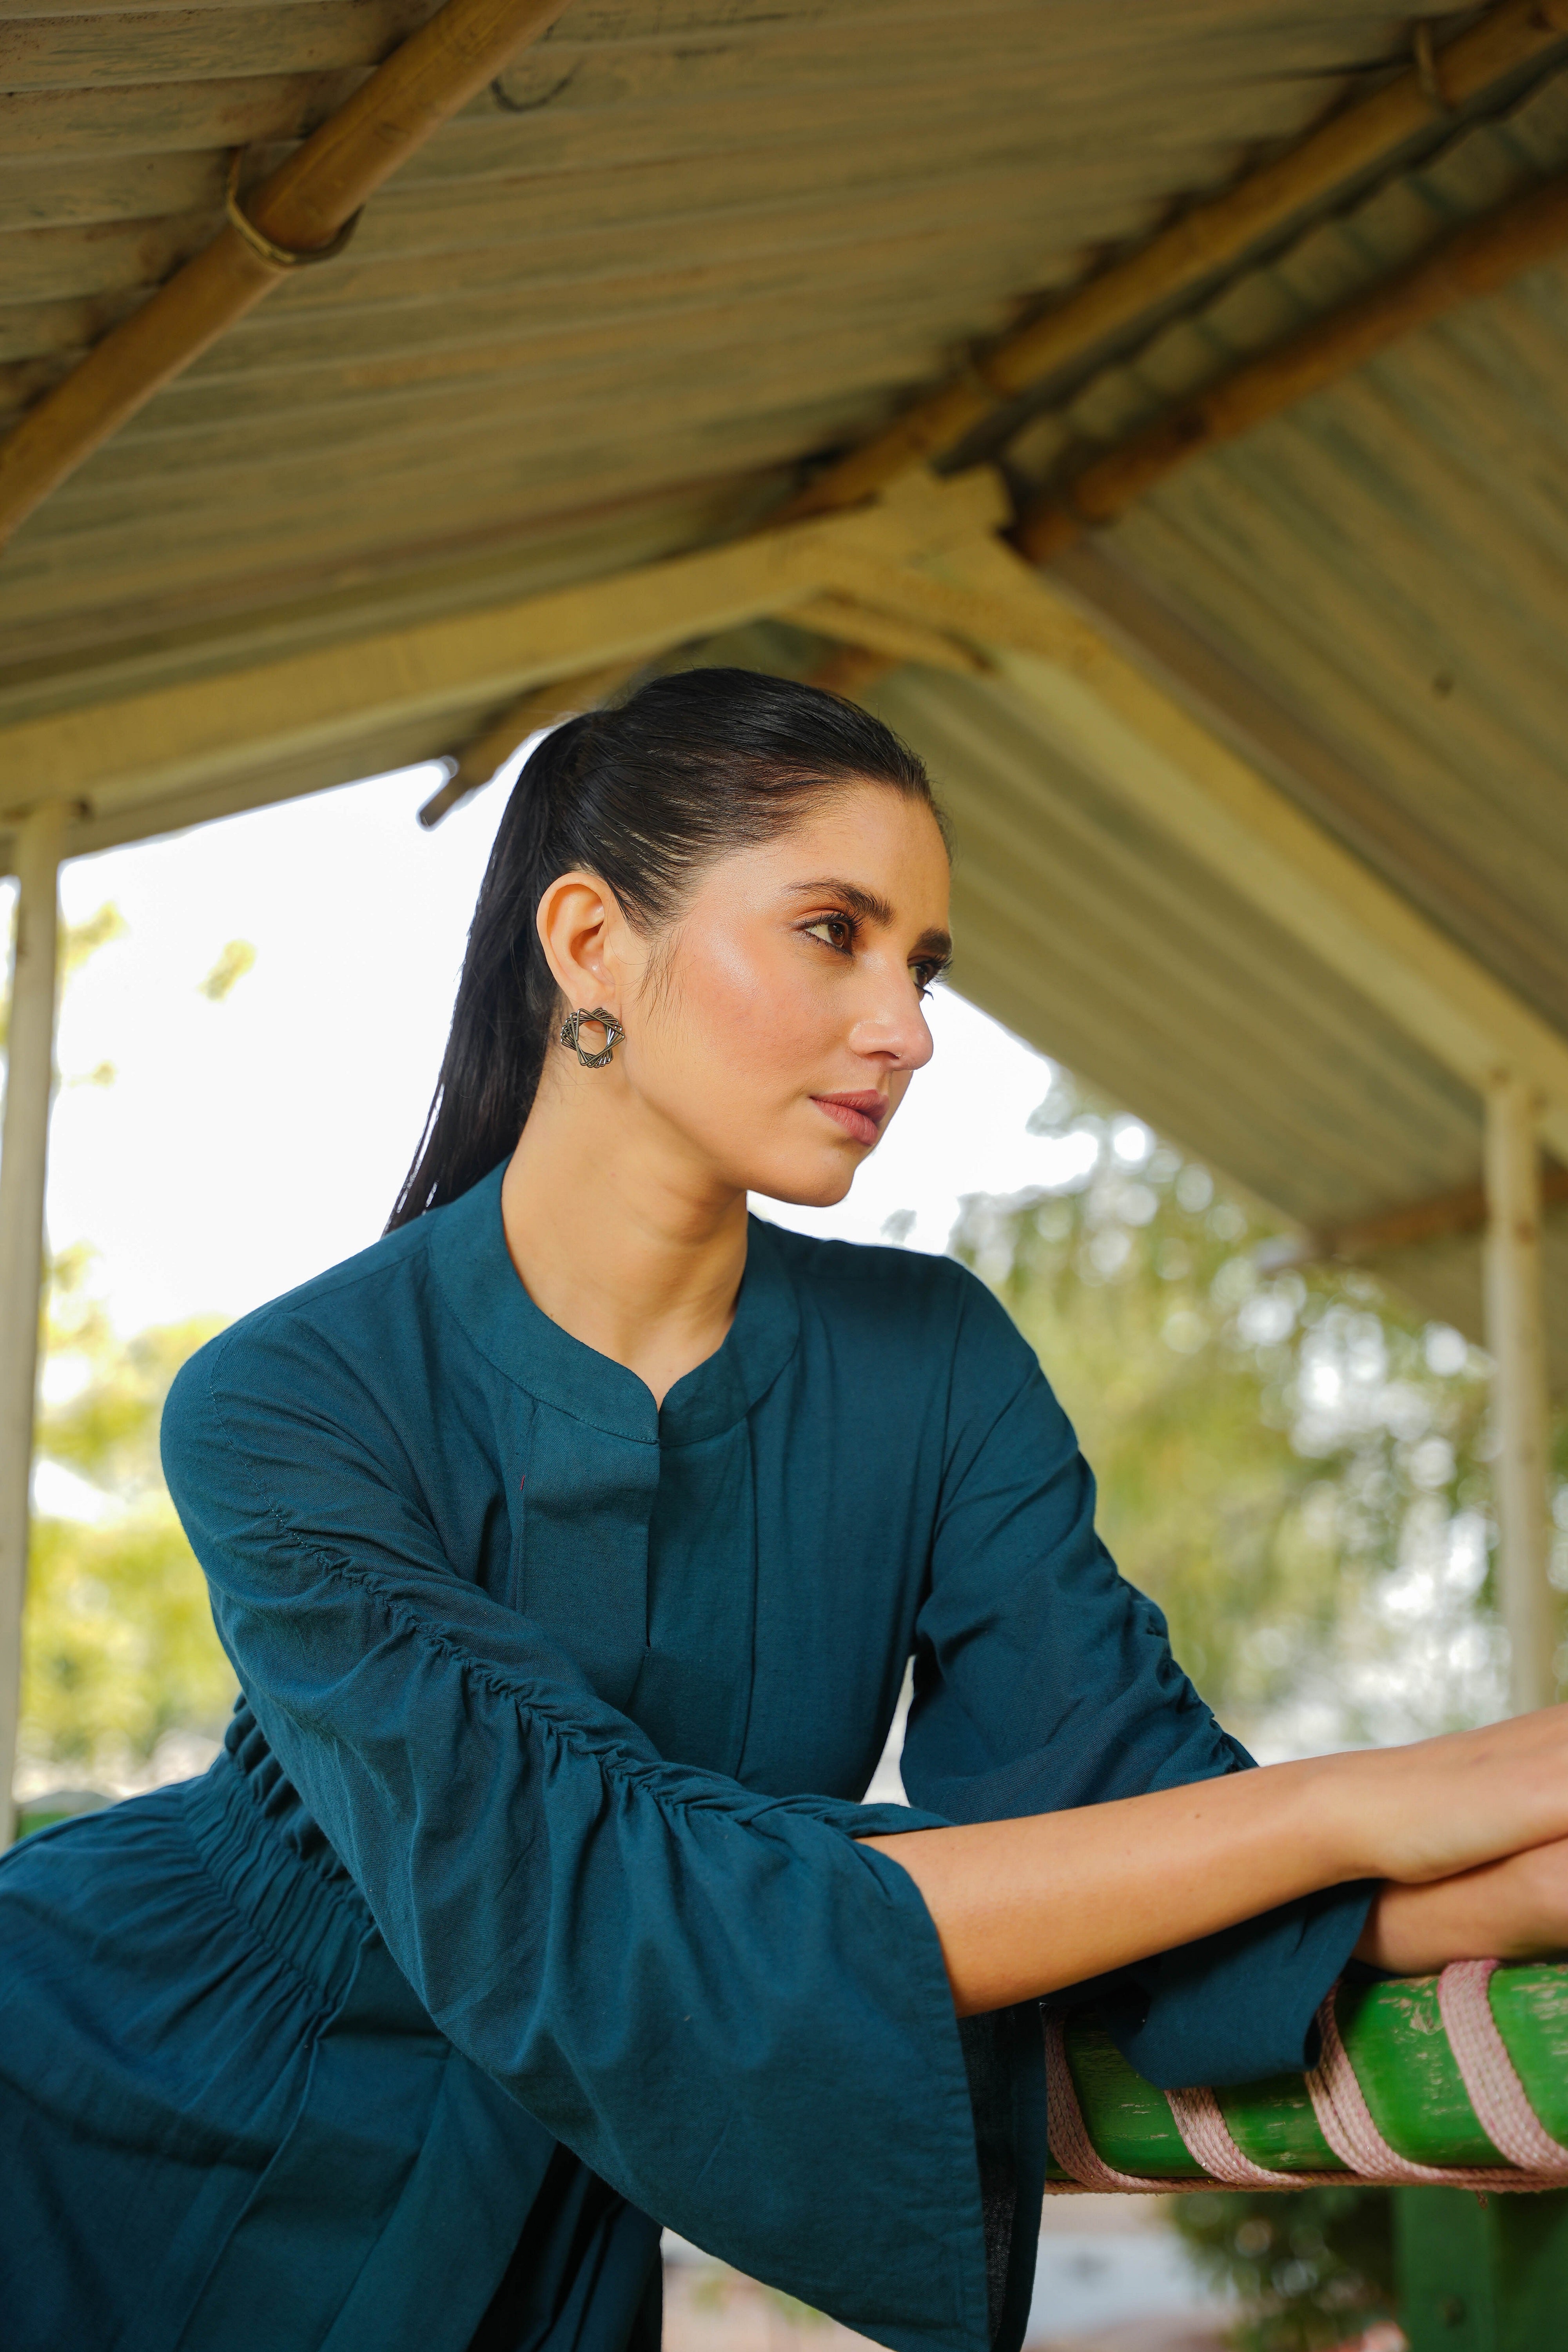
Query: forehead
x,y
869,834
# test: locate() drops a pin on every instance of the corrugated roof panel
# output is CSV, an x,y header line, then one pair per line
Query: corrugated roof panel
x,y
677,243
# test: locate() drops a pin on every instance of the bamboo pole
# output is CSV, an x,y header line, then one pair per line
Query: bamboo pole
x,y
299,210
1476,261
1445,1216
541,706
1346,151
24,1155
1515,1336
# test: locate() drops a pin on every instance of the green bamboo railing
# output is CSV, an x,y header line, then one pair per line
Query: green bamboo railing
x,y
1394,2038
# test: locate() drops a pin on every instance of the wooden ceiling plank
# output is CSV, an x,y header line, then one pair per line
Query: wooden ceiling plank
x,y
304,206
555,237
516,405
139,187
200,730
1341,154
1475,260
166,45
1228,966
439,511
415,307
1415,856
602,362
269,500
167,116
146,633
1153,754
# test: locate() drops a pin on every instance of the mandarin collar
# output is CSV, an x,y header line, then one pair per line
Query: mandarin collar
x,y
474,1268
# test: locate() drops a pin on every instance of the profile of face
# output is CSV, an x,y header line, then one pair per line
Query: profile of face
x,y
772,1030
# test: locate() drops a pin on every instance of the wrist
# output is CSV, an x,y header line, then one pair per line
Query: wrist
x,y
1337,1817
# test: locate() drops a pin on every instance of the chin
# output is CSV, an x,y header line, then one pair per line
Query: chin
x,y
799,1188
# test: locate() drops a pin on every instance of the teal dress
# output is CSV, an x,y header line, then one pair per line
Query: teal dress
x,y
523,1912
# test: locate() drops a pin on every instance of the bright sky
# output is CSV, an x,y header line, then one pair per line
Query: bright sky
x,y
244,1145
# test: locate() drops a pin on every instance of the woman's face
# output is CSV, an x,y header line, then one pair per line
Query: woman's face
x,y
772,1033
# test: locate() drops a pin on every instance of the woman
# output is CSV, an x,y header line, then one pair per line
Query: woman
x,y
569,1545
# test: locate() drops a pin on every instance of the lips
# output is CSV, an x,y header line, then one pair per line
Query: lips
x,y
860,1116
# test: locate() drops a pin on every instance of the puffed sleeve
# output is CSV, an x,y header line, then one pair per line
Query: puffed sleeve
x,y
1042,1680
732,2011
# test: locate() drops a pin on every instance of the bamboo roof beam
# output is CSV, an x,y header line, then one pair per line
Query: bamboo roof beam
x,y
146,750
1455,1215
300,213
1344,152
541,706
1316,772
1477,259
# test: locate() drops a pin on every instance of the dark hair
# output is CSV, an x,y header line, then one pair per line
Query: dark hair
x,y
645,796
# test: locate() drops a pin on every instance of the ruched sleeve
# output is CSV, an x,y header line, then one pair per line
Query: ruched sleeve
x,y
1042,1680
727,2008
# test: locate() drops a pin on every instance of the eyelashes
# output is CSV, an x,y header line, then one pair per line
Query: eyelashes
x,y
924,974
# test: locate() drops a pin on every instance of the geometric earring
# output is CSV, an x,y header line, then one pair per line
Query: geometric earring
x,y
612,1028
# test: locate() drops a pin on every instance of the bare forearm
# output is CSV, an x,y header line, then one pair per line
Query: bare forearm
x,y
1023,1908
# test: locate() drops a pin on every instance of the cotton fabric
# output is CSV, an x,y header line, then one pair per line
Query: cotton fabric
x,y
524,1911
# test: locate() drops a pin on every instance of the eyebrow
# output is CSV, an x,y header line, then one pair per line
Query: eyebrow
x,y
873,909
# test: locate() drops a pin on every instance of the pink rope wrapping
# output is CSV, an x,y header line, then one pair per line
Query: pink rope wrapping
x,y
1066,2130
1346,2121
1502,2108
1073,2149
1207,2136
1535,2160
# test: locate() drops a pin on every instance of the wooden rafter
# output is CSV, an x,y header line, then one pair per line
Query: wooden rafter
x,y
1347,152
541,706
108,757
1446,1216
1477,259
295,214
1318,775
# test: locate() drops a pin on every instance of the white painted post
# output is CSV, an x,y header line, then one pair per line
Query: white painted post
x,y
24,1152
1516,1337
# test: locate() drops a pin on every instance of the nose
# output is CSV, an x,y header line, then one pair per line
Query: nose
x,y
890,1026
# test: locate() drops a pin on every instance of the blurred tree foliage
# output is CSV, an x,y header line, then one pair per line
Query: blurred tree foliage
x,y
118,1649
119,1646
1291,1461
1314,2269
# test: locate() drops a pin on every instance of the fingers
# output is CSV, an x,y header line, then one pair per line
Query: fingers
x,y
1515,1910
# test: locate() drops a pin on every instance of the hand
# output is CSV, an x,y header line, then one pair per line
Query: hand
x,y
1446,1806
1516,1909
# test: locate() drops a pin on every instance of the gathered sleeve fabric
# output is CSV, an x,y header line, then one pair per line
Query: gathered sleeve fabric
x,y
1042,1680
731,2010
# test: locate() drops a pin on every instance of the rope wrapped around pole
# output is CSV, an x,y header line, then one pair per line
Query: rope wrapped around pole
x,y
298,215
1529,2156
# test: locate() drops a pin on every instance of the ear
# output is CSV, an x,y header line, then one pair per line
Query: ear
x,y
583,934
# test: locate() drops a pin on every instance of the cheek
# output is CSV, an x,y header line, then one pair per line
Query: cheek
x,y
746,1002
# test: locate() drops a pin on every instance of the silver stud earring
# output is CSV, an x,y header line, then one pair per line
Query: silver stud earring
x,y
571,1036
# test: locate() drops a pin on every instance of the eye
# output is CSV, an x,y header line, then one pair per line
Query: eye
x,y
926,975
835,931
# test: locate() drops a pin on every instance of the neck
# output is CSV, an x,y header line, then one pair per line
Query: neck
x,y
616,1236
